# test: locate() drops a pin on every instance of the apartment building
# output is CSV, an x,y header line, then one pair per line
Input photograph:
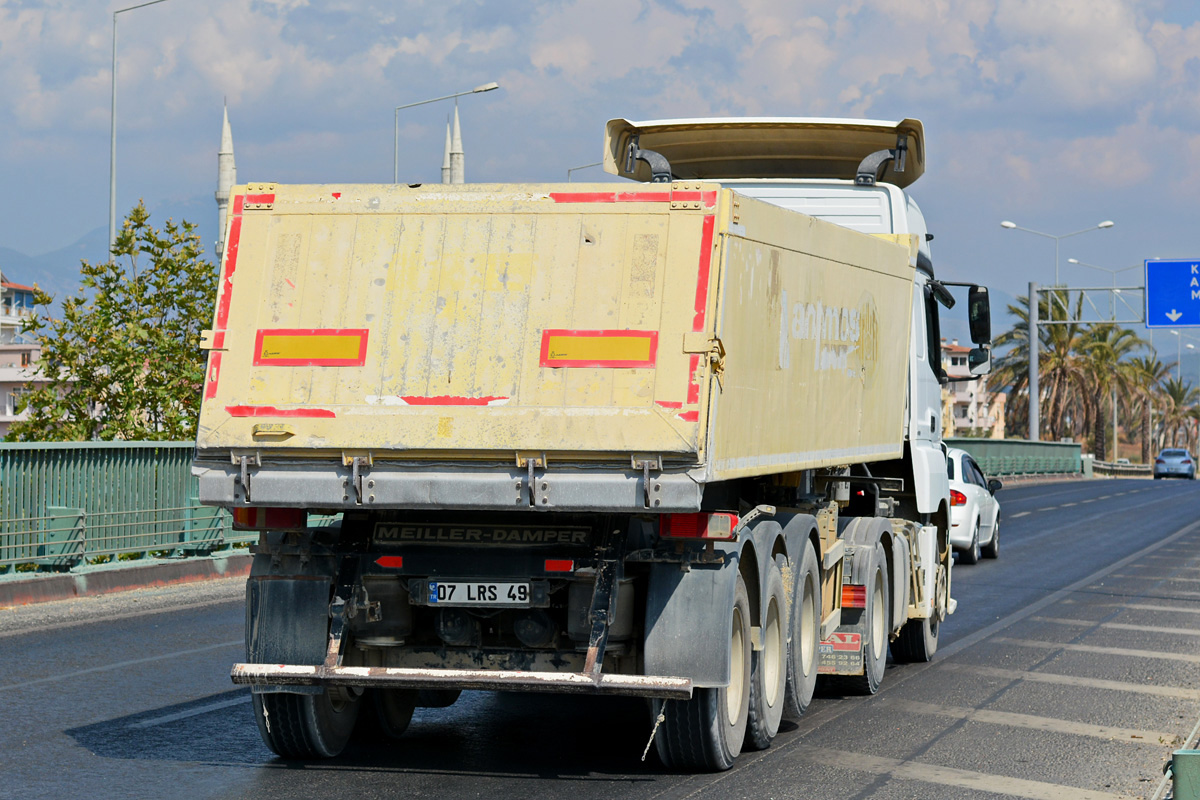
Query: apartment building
x,y
969,409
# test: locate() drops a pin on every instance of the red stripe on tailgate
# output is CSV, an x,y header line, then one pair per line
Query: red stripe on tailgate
x,y
272,411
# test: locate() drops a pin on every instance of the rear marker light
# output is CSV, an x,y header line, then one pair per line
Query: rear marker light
x,y
560,565
957,498
390,562
269,519
698,526
854,596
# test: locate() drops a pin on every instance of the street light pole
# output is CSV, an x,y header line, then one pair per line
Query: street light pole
x,y
112,153
1034,399
1108,223
1112,300
487,87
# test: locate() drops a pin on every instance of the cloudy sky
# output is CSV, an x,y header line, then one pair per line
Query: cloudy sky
x,y
1056,114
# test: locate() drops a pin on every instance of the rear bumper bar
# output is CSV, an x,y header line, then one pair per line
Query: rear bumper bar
x,y
490,680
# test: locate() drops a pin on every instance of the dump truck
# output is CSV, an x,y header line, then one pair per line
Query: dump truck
x,y
675,437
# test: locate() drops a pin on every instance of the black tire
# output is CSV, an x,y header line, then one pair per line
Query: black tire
x,y
394,710
769,666
971,554
875,639
805,634
437,698
918,639
306,726
992,548
706,732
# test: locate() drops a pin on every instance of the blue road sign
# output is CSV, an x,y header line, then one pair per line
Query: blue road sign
x,y
1172,294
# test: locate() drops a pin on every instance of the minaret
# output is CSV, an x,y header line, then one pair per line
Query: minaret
x,y
456,152
446,157
226,178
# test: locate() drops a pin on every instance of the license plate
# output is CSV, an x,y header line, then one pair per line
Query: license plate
x,y
478,593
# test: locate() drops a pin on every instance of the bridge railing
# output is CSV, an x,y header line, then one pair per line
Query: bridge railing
x,y
1001,457
67,504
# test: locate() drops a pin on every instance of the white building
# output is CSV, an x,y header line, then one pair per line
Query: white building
x,y
18,353
969,409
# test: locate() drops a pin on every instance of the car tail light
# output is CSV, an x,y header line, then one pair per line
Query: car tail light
x,y
957,498
1187,461
698,526
269,519
1159,461
854,596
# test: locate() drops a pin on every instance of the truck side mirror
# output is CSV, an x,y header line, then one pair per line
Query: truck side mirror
x,y
979,360
979,312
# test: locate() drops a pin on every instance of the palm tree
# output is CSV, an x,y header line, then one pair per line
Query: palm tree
x,y
1148,374
1106,350
1179,404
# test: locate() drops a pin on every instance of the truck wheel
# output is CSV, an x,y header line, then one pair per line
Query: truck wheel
x,y
306,726
875,639
805,632
437,698
394,710
769,666
706,732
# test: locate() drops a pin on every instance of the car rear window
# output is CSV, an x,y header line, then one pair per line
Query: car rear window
x,y
1174,452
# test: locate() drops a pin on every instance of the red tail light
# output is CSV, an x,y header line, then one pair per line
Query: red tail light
x,y
957,498
1187,461
698,526
560,565
269,519
854,596
1159,461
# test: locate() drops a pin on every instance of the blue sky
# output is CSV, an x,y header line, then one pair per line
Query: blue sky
x,y
1055,114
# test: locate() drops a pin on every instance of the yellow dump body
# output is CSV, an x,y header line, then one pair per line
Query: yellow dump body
x,y
582,323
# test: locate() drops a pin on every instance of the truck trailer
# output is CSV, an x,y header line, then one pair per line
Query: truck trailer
x,y
676,437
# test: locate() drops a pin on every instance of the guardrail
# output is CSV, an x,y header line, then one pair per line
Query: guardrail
x,y
1009,457
1109,469
67,504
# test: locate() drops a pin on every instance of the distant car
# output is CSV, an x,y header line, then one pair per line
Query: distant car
x,y
974,510
1122,461
1175,462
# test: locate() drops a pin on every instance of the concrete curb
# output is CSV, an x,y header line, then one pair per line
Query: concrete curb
x,y
43,588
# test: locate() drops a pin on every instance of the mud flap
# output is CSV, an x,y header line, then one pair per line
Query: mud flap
x,y
287,622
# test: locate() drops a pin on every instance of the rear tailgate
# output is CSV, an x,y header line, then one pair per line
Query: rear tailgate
x,y
464,322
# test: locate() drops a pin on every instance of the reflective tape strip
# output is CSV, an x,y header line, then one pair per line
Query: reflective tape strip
x,y
604,348
313,347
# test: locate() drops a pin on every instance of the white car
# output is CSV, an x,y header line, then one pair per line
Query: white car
x,y
974,510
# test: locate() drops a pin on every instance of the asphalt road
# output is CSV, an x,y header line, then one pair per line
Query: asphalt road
x,y
1069,671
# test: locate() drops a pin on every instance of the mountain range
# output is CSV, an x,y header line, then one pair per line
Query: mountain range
x,y
57,271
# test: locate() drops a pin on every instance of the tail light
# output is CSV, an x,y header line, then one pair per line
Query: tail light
x,y
957,498
698,526
854,596
1159,461
1187,461
269,519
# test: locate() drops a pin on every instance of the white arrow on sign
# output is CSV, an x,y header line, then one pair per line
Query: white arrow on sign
x,y
1173,315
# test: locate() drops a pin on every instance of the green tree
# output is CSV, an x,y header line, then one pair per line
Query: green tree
x,y
124,360
1148,376
1106,351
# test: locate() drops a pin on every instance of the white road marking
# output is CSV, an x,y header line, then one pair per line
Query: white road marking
x,y
193,712
1111,651
1049,508
947,776
1019,514
1119,626
1088,501
122,665
1068,505
1147,607
1159,578
1071,680
1131,735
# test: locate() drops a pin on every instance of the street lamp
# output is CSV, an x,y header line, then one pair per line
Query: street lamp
x,y
1178,354
1111,300
582,166
487,87
112,155
1108,223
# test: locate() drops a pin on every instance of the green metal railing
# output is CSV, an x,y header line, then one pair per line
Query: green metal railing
x,y
67,504
999,457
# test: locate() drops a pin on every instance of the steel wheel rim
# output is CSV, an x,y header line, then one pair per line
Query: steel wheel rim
x,y
737,673
877,621
808,635
773,648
